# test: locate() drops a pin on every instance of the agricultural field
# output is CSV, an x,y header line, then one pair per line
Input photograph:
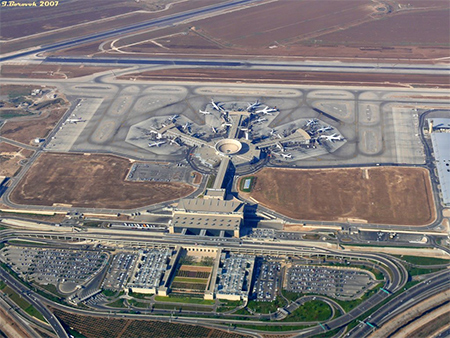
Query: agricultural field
x,y
72,19
191,279
389,195
96,181
94,327
349,29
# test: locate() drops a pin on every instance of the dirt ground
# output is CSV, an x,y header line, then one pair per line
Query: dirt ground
x,y
344,30
10,156
10,327
291,77
95,181
387,195
105,15
40,71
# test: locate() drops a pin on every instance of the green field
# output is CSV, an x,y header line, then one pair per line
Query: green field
x,y
314,310
191,280
186,300
247,183
22,303
118,303
424,260
266,307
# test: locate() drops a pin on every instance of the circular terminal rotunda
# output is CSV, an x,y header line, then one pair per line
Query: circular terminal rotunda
x,y
228,146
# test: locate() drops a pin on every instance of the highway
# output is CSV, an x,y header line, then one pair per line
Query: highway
x,y
31,298
403,302
394,283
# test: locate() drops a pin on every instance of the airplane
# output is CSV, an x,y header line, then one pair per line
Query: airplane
x,y
322,129
332,138
187,126
174,142
217,106
75,120
173,118
252,106
261,119
280,146
311,122
156,144
214,130
285,156
204,112
158,134
267,111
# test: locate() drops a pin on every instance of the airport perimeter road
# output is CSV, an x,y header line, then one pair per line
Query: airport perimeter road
x,y
165,21
31,298
403,302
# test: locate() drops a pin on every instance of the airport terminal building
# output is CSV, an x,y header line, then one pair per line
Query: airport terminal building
x,y
207,217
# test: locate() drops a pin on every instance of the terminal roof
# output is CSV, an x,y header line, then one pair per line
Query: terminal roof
x,y
217,206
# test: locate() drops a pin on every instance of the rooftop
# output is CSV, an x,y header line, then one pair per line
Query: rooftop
x,y
441,146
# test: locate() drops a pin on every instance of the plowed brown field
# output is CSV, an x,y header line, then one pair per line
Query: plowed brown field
x,y
95,181
388,195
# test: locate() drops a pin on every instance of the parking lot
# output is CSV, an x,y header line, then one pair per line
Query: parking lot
x,y
234,277
151,267
335,282
258,233
267,276
119,271
161,172
54,266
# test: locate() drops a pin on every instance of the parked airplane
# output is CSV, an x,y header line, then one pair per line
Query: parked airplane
x,y
259,120
187,126
158,134
217,105
332,138
204,112
322,129
156,144
280,146
285,156
311,122
267,111
75,120
173,118
252,106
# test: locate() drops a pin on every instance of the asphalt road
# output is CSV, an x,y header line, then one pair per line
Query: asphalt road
x,y
394,283
160,22
297,66
403,302
31,298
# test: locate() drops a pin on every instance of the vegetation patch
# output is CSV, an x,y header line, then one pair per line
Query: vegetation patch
x,y
118,303
266,307
22,303
246,183
315,310
187,300
417,260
